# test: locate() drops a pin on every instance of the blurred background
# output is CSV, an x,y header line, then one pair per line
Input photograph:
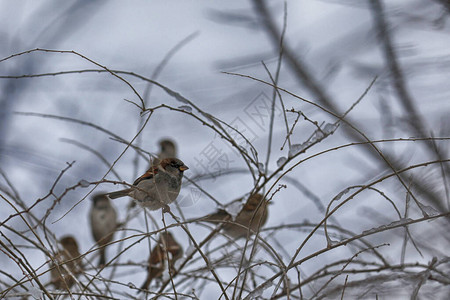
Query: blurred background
x,y
349,72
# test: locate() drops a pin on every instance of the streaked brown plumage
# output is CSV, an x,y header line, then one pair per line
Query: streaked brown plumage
x,y
158,187
244,218
62,276
103,218
158,259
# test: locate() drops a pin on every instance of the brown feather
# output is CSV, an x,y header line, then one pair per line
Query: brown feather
x,y
158,257
249,216
147,175
61,278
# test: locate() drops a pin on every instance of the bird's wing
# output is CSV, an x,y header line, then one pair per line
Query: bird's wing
x,y
147,175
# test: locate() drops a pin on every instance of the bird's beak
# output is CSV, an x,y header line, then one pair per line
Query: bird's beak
x,y
183,168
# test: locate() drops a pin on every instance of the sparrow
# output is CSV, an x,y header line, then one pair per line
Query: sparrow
x,y
62,276
158,187
167,149
239,227
103,219
159,260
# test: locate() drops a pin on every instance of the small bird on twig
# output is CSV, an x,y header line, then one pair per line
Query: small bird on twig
x,y
158,187
158,260
167,149
63,274
255,207
103,219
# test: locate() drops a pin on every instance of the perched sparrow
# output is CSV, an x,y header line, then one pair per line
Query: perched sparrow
x,y
103,219
239,227
62,276
158,259
158,187
167,149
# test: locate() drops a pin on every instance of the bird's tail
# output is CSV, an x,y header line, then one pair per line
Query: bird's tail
x,y
119,194
145,284
102,261
217,217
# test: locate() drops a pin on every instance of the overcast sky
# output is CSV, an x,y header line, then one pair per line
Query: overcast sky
x,y
335,40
